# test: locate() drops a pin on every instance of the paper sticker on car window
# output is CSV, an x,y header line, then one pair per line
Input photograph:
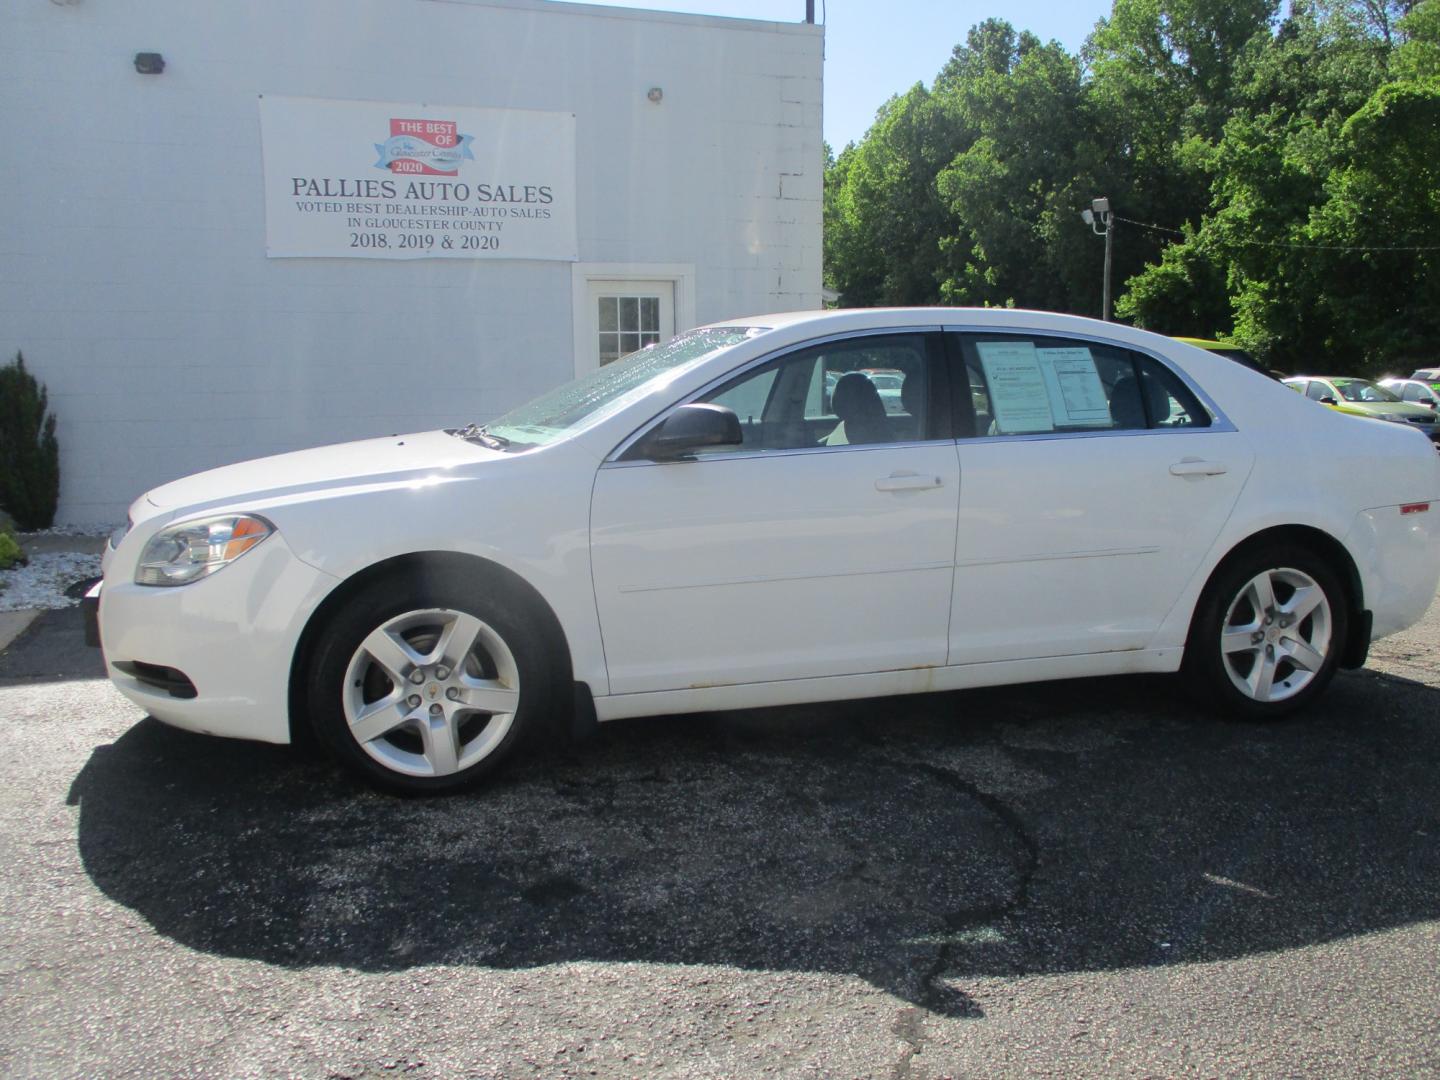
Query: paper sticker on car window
x,y
1077,396
1019,400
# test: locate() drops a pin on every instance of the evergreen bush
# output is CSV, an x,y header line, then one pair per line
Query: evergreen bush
x,y
29,454
10,552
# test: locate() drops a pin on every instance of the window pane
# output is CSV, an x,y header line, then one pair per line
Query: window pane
x,y
650,313
746,398
858,392
629,342
629,313
609,312
649,339
1168,401
609,347
1021,385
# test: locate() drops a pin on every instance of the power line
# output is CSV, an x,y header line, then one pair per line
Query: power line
x,y
1277,244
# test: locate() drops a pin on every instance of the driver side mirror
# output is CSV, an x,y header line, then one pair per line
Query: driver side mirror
x,y
692,427
1328,400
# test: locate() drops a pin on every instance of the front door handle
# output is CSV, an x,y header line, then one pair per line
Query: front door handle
x,y
906,481
1196,467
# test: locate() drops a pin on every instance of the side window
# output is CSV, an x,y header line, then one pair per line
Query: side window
x,y
747,398
1317,390
1169,403
1021,385
863,391
1412,393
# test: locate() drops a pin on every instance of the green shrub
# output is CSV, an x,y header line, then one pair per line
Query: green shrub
x,y
29,454
10,552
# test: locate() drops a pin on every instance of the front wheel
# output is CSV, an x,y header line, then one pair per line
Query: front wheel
x,y
424,687
1268,633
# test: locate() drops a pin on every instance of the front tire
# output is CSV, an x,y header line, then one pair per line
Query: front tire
x,y
424,686
1268,633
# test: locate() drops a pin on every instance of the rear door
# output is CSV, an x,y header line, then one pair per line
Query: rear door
x,y
1093,482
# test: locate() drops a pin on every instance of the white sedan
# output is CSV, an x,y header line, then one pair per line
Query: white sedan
x,y
1413,390
692,528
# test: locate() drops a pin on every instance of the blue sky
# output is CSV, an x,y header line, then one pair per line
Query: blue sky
x,y
874,49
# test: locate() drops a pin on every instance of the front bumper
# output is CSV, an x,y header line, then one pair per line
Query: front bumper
x,y
232,636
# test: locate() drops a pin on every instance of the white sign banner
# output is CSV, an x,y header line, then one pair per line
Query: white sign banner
x,y
374,180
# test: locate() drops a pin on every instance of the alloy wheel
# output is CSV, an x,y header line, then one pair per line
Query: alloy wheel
x,y
1276,634
431,692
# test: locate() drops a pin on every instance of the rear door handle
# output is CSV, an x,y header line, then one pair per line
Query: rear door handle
x,y
906,481
1195,467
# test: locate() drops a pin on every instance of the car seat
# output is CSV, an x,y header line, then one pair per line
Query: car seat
x,y
862,414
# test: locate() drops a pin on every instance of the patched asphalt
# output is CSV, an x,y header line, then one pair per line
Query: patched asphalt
x,y
1084,878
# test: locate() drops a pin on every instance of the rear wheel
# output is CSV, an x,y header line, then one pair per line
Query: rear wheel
x,y
427,686
1268,633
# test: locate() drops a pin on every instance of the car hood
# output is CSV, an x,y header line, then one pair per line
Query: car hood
x,y
394,459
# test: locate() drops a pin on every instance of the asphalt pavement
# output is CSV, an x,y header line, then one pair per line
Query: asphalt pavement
x,y
1091,878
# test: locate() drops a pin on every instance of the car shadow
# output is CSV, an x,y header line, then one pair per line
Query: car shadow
x,y
914,842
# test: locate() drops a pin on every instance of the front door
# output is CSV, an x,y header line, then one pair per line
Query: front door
x,y
823,545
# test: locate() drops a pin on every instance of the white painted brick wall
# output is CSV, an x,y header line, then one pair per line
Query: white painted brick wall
x,y
132,226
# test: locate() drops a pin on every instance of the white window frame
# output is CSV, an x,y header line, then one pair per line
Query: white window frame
x,y
681,275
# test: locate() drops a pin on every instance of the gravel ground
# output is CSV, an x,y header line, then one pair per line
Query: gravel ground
x,y
42,583
57,559
1084,879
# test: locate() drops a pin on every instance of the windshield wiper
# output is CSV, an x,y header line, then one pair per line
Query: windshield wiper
x,y
477,434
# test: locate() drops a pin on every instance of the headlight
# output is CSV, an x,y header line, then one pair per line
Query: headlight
x,y
192,550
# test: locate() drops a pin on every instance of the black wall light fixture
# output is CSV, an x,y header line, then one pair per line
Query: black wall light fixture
x,y
149,63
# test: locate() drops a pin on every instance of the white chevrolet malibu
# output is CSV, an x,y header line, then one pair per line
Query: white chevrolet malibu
x,y
736,519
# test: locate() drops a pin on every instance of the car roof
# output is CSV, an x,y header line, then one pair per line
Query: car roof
x,y
785,327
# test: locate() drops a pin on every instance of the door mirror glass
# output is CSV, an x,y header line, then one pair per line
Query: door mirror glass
x,y
1328,400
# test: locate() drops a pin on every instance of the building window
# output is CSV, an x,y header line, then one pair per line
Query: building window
x,y
626,323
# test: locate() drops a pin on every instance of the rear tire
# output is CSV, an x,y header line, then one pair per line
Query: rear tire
x,y
425,684
1268,632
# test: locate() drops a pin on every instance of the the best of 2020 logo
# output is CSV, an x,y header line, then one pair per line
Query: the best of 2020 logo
x,y
424,148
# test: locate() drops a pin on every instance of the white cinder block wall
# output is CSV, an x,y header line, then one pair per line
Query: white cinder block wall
x,y
132,229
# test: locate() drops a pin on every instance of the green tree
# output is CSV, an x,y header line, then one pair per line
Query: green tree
x,y
1276,177
1323,165
884,216
29,454
1014,191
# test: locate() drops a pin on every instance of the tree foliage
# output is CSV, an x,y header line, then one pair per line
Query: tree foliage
x,y
1275,177
29,454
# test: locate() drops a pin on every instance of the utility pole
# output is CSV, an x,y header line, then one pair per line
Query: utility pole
x,y
1102,223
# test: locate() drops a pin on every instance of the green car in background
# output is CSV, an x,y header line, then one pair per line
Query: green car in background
x,y
1360,397
1230,351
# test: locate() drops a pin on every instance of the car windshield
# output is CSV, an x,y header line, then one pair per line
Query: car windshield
x,y
1360,390
587,400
